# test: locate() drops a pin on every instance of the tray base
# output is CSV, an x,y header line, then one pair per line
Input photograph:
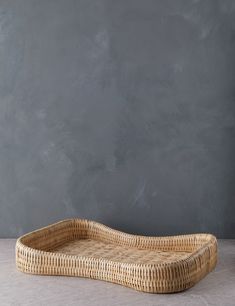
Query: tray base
x,y
98,249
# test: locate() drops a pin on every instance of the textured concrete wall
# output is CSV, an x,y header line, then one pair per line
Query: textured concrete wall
x,y
119,111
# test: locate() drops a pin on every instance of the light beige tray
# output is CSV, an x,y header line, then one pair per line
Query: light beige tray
x,y
78,247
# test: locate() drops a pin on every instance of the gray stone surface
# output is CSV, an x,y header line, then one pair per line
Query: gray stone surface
x,y
119,111
16,288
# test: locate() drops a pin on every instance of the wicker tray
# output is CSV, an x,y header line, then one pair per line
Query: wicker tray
x,y
78,247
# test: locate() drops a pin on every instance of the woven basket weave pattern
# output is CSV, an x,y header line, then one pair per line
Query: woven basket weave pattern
x,y
78,247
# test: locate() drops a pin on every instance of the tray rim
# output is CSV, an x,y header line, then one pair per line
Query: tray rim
x,y
163,264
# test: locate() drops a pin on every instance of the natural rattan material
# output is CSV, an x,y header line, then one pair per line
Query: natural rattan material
x,y
78,247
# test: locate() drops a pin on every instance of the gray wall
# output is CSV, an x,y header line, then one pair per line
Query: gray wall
x,y
118,111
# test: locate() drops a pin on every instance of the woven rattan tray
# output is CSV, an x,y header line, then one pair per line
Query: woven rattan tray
x,y
78,247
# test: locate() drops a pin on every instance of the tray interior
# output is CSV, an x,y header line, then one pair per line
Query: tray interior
x,y
100,249
90,239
